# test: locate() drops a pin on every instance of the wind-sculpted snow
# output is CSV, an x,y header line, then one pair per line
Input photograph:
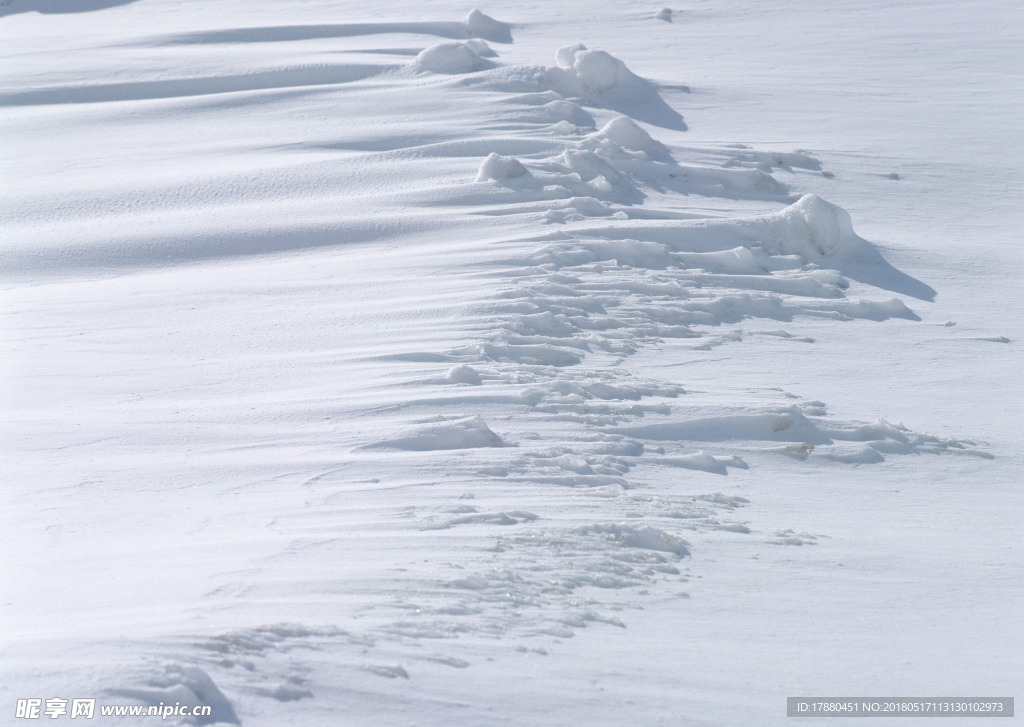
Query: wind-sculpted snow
x,y
569,309
443,339
571,306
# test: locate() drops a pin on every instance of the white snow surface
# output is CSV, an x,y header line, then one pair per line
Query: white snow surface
x,y
429,365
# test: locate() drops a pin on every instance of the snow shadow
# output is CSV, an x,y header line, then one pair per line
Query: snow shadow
x,y
643,103
13,7
476,25
866,265
183,87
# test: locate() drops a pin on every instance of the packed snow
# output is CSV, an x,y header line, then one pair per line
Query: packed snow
x,y
448,365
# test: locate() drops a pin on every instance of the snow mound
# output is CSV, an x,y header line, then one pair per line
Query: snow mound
x,y
449,58
622,137
594,70
467,433
498,167
479,25
566,55
623,131
813,227
664,14
463,374
600,79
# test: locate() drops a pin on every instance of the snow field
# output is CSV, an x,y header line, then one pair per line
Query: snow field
x,y
406,371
